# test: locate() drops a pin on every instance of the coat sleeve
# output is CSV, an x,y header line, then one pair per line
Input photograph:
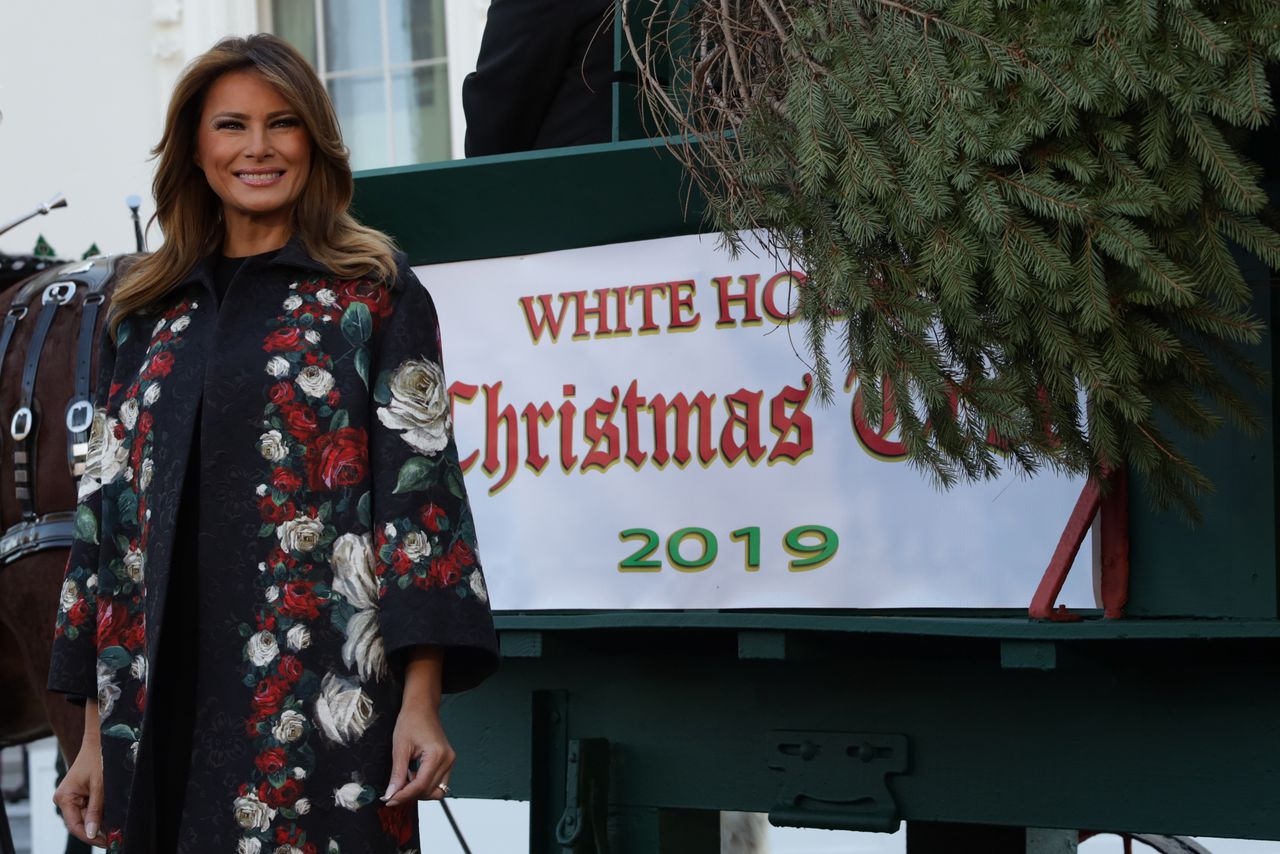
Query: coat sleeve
x,y
431,589
523,54
73,666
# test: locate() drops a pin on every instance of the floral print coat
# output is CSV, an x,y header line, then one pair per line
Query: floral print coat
x,y
333,522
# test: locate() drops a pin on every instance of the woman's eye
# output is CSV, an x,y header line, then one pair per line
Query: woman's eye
x,y
228,125
286,123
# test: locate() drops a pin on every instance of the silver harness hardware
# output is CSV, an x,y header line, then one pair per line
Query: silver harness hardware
x,y
57,287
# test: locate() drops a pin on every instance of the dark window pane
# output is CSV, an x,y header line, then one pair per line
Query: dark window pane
x,y
416,29
295,22
352,34
420,115
362,111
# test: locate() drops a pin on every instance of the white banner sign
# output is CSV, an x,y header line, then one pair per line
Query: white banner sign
x,y
638,431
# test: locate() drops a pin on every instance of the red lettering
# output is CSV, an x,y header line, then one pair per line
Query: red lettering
x,y
596,433
769,297
566,412
548,322
632,403
647,292
747,299
533,416
466,393
682,300
744,411
493,418
784,423
876,441
600,311
683,411
620,301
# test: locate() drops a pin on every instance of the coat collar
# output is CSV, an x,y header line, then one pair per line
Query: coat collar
x,y
293,255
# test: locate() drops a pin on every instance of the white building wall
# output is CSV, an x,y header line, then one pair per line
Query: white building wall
x,y
83,89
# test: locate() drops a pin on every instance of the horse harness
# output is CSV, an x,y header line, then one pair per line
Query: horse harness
x,y
52,291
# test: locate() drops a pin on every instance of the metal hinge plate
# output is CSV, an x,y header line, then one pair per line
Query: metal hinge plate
x,y
836,780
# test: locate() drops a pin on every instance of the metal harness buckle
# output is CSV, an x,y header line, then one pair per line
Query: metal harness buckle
x,y
63,292
20,427
79,416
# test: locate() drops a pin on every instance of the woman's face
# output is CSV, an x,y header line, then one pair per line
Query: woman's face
x,y
254,150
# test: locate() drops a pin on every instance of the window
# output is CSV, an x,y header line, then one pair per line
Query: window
x,y
384,64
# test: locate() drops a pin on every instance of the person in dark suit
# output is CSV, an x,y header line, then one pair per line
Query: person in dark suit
x,y
543,77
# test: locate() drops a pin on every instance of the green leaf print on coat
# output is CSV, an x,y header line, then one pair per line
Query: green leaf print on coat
x,y
362,365
415,474
86,529
357,323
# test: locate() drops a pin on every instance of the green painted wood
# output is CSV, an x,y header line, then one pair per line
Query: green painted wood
x,y
1226,567
1157,735
536,201
943,624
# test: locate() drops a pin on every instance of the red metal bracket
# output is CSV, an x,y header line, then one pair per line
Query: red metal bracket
x,y
1114,571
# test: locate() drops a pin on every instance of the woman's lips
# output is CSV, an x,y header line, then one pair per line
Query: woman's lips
x,y
260,179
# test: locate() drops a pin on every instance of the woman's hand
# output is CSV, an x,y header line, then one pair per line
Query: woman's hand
x,y
418,734
79,796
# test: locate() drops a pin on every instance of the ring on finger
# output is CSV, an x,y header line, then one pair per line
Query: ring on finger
x,y
444,788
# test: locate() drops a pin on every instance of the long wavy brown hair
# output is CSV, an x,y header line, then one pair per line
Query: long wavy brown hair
x,y
190,214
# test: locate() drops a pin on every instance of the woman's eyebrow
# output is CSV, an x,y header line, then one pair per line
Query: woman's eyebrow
x,y
272,115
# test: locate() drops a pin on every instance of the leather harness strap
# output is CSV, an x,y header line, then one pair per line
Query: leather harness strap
x,y
56,287
23,429
15,313
50,531
17,310
80,408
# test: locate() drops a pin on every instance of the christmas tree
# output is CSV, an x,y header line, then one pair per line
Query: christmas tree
x,y
43,249
1019,215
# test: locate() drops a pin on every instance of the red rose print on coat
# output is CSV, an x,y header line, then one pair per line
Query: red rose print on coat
x,y
338,459
290,668
79,612
113,619
268,695
271,761
397,821
285,480
276,513
281,393
432,516
401,562
159,366
300,420
280,796
298,600
376,297
286,339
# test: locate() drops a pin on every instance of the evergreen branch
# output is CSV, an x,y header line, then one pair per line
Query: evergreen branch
x,y
1006,202
1136,252
1221,164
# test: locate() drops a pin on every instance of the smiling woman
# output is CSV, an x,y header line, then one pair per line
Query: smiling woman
x,y
257,162
266,611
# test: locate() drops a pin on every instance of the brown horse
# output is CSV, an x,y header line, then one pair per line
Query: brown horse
x,y
49,326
